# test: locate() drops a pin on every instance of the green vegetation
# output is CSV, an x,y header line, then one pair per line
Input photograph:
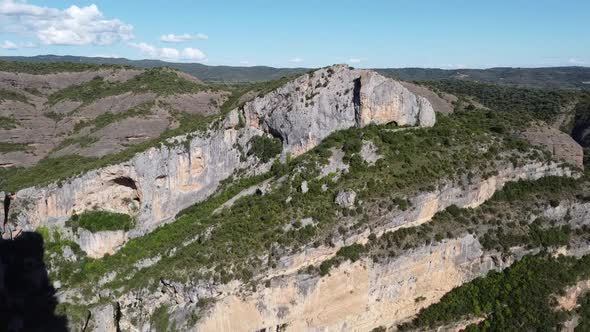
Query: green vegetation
x,y
265,148
10,95
491,223
413,161
51,68
584,313
519,298
161,319
54,254
543,104
107,118
6,147
161,81
555,78
8,123
96,221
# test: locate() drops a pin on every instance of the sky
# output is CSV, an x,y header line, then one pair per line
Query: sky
x,y
305,33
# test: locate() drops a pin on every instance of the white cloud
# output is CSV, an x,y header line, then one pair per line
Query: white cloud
x,y
72,26
577,62
195,54
8,45
168,53
172,38
453,66
296,60
354,60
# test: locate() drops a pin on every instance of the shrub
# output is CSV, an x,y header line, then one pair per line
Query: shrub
x,y
265,148
96,221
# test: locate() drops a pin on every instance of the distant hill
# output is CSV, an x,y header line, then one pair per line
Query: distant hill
x,y
550,77
227,74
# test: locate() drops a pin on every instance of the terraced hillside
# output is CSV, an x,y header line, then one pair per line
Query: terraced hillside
x,y
337,200
95,110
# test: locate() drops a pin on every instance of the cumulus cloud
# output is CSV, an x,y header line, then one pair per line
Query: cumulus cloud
x,y
296,60
168,53
172,38
72,26
8,45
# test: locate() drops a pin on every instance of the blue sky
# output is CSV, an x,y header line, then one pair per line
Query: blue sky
x,y
395,33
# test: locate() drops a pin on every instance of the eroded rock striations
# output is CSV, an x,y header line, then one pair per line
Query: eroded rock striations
x,y
155,185
354,296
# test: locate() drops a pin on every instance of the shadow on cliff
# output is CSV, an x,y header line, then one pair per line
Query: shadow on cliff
x,y
27,299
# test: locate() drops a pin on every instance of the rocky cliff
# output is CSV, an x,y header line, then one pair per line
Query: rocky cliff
x,y
155,185
354,296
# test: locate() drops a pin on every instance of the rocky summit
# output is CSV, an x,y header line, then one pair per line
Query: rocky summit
x,y
333,200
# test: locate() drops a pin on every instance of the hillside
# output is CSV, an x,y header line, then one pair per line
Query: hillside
x,y
219,74
338,199
65,118
551,77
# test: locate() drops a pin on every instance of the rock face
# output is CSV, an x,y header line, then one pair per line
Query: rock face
x,y
305,111
358,296
96,245
560,144
158,183
346,199
363,295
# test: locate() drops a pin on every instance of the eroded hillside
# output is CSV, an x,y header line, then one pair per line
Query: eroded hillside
x,y
338,200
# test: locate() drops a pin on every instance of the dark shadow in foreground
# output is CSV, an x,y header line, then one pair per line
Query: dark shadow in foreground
x,y
27,299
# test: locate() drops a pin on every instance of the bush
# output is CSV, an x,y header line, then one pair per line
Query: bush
x,y
265,148
96,221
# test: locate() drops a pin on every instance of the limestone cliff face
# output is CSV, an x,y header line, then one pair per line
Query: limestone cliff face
x,y
353,297
305,111
155,185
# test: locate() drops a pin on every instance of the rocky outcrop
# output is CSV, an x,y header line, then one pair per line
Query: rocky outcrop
x,y
559,144
98,244
356,296
346,199
307,110
158,183
362,295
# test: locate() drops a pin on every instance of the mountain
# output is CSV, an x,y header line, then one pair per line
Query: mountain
x,y
226,74
338,199
550,77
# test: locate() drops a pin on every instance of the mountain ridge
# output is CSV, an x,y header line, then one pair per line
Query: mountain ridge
x,y
570,77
